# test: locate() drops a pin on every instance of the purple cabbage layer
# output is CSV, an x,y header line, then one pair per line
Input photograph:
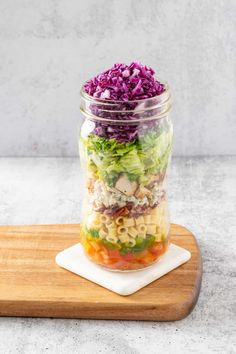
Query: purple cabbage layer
x,y
124,83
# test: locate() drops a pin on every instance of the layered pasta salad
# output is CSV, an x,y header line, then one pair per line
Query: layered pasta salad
x,y
125,152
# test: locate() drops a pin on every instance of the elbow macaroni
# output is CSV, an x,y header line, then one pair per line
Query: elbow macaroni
x,y
112,231
129,222
122,230
131,242
110,223
126,229
120,220
132,232
147,219
159,237
124,238
105,219
153,211
139,220
103,233
153,219
151,229
142,229
112,239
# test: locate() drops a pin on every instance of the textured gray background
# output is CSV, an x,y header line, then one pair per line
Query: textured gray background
x,y
49,47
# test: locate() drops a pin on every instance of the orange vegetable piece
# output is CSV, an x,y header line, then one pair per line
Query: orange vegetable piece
x,y
95,245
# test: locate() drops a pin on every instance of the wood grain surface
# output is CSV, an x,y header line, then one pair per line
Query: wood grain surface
x,y
31,284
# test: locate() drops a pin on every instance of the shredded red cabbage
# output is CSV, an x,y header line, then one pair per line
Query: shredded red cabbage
x,y
125,83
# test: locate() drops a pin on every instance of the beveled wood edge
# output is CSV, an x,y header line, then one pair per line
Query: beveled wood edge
x,y
190,304
181,310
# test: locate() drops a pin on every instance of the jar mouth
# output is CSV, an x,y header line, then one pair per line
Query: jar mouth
x,y
88,97
136,111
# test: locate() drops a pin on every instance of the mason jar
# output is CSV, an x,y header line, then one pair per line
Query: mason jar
x,y
125,149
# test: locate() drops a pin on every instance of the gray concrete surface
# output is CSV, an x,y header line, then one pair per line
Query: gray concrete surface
x,y
202,197
50,47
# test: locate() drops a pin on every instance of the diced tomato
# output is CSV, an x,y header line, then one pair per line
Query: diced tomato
x,y
114,254
157,248
149,259
128,256
122,265
154,252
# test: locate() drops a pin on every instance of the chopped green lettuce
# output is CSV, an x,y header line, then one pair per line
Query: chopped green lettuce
x,y
145,156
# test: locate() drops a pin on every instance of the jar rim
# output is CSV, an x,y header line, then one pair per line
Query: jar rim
x,y
85,95
162,102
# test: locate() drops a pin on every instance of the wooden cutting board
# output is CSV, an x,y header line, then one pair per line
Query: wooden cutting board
x,y
31,284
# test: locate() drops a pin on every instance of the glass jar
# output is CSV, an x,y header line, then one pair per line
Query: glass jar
x,y
125,149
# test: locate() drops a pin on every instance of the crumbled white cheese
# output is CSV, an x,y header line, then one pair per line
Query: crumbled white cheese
x,y
111,196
